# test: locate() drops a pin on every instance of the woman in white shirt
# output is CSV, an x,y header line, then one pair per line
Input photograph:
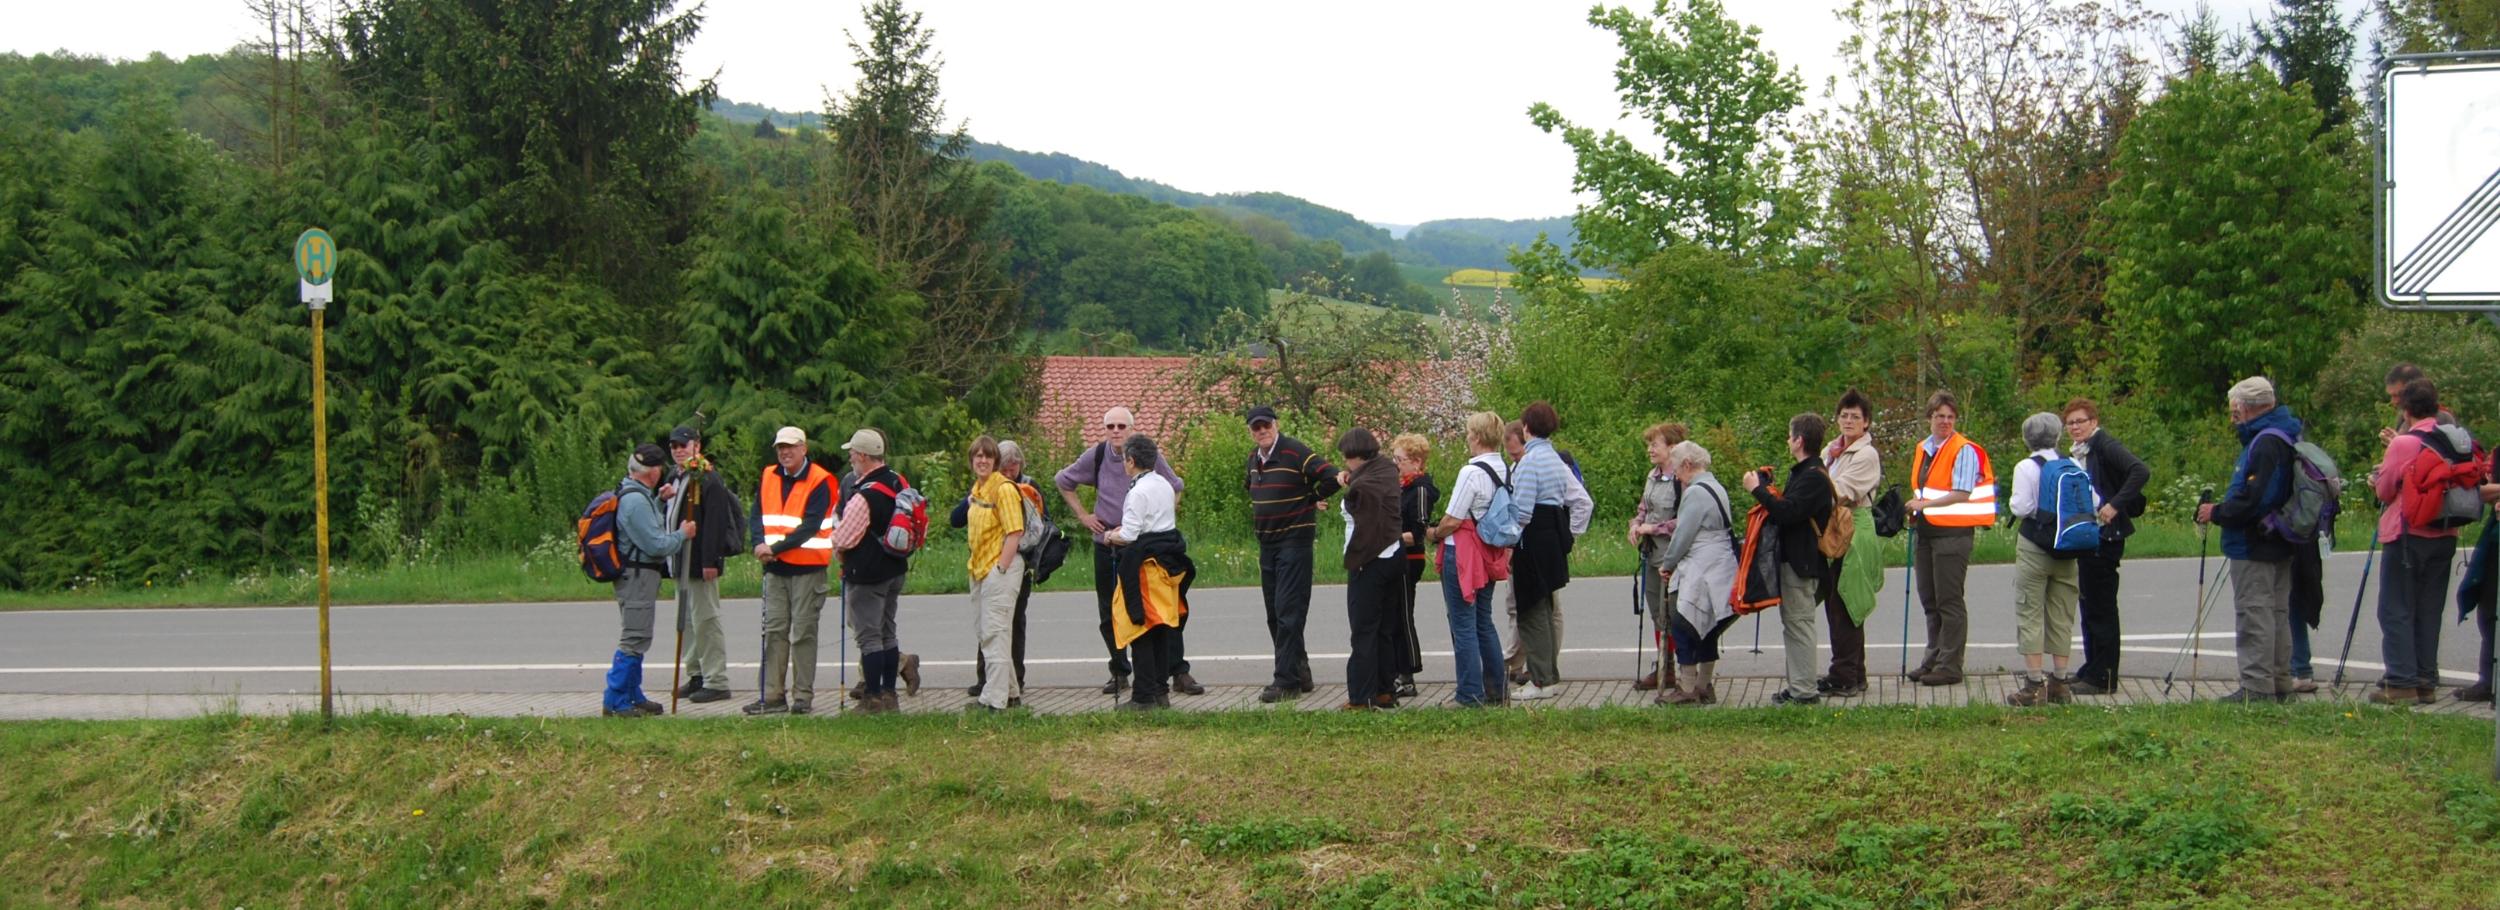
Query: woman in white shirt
x,y
1476,641
1149,529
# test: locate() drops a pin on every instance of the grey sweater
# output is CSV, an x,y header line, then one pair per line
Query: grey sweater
x,y
1701,520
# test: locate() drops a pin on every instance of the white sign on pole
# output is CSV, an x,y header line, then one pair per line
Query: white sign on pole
x,y
316,296
2441,195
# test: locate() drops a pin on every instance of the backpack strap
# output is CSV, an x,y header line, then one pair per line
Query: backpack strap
x,y
1727,511
1498,484
2438,442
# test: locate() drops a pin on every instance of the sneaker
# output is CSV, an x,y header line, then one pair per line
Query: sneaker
x,y
1528,691
693,684
909,670
707,696
1784,698
1115,686
972,691
801,709
2480,692
1186,684
1829,689
1271,695
2304,685
1406,687
761,708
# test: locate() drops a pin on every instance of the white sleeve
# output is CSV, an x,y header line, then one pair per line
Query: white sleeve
x,y
1583,508
2026,487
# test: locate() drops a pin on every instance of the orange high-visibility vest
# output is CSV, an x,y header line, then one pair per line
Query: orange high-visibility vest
x,y
781,514
1935,481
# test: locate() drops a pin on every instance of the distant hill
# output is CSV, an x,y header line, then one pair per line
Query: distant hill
x,y
1481,243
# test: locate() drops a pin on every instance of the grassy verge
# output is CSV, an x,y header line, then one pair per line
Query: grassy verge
x,y
549,573
2193,805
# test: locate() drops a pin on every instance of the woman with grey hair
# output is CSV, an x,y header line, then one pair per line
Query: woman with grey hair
x,y
2045,580
1149,531
1699,569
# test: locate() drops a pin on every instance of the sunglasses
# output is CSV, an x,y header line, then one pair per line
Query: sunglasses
x,y
1115,426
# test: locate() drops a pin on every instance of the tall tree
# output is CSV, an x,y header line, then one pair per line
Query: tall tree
x,y
2231,237
2309,44
2423,26
1716,103
579,104
904,177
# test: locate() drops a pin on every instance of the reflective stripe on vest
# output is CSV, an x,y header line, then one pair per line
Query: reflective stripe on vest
x,y
1935,481
781,513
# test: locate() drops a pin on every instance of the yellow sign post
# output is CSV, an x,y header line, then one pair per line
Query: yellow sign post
x,y
316,257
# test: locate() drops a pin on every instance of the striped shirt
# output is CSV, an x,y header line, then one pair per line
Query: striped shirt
x,y
1540,479
1965,465
1286,484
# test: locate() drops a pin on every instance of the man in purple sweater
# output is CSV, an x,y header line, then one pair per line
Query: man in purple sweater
x,y
1101,468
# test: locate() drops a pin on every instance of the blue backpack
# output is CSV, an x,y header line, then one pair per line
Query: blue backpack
x,y
2063,522
1499,525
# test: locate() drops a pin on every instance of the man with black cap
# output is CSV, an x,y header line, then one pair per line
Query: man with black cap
x,y
704,499
1288,485
641,543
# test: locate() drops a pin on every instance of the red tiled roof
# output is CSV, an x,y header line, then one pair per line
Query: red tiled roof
x,y
1077,390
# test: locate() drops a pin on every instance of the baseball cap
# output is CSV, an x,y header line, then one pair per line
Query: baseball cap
x,y
790,436
650,456
1262,412
866,442
683,435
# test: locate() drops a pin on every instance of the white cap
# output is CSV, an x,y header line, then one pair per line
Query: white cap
x,y
866,442
790,436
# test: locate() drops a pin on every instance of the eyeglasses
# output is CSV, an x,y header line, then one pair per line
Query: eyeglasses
x,y
1264,424
2078,421
1115,426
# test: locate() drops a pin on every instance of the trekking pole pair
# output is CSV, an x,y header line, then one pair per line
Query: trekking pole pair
x,y
2354,624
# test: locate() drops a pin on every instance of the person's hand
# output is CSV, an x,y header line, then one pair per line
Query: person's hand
x,y
1914,506
711,574
2108,513
1344,477
1093,524
685,528
668,491
2491,492
2205,514
2386,435
1666,574
1407,538
1632,535
1753,479
764,552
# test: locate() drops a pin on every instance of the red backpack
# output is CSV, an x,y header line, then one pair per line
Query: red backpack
x,y
2441,485
909,528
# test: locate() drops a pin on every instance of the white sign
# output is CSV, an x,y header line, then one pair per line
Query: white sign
x,y
316,296
2441,198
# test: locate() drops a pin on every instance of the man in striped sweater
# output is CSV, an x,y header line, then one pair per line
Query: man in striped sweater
x,y
1288,485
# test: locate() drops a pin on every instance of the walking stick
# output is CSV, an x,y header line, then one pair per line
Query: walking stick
x,y
1757,632
1640,621
842,653
2355,623
2196,626
1909,575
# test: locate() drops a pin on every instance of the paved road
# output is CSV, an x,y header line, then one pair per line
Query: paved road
x,y
563,647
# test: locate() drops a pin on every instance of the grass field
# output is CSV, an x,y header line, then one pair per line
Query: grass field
x,y
1488,278
549,572
2313,805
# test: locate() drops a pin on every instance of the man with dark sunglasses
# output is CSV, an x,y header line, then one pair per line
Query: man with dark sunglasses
x,y
1101,467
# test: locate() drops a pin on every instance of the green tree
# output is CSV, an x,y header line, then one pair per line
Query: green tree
x,y
2232,235
579,104
1716,102
2422,26
2310,46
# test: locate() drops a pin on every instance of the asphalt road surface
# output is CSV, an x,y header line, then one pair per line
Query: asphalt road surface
x,y
560,647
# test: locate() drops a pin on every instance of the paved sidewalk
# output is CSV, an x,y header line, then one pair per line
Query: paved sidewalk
x,y
1742,692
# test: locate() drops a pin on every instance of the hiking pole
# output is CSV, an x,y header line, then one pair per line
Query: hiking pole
x,y
2195,626
2355,623
677,666
1909,576
1757,632
842,652
2196,633
1640,621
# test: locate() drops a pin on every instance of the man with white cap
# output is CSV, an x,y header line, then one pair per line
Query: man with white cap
x,y
872,578
2260,557
1101,468
793,535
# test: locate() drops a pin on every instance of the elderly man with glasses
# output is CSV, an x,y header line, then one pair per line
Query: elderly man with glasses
x,y
1103,468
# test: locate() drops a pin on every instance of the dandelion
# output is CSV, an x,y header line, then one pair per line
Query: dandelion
x,y
416,813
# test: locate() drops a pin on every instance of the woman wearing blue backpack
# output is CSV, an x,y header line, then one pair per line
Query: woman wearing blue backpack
x,y
1470,565
2057,505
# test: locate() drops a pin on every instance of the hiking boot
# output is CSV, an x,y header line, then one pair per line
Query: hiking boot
x,y
910,672
707,696
2480,692
1940,677
1783,698
1646,683
2085,687
1831,689
1918,673
1186,684
1354,706
2394,695
801,709
605,711
1384,700
693,685
1136,706
972,691
761,708
2033,694
1272,695
880,703
651,708
2245,697
859,691
1115,686
2059,692
2427,695
2304,685
1683,695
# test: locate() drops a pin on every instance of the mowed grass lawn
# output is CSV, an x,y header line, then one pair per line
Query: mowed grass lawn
x,y
2177,806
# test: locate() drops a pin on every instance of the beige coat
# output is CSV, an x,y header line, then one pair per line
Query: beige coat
x,y
1855,472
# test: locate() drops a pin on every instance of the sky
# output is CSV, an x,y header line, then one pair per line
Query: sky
x,y
1398,111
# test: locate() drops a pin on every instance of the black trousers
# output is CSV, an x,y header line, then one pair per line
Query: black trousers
x,y
1106,580
1285,589
1848,638
2482,623
1151,653
1372,608
980,668
2097,575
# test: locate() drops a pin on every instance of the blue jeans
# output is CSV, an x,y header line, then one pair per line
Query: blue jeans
x,y
2300,650
1477,643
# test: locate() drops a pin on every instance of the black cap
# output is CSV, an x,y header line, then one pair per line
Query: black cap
x,y
650,456
1262,412
683,435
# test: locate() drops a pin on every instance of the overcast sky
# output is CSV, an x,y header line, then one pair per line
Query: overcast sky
x,y
1395,110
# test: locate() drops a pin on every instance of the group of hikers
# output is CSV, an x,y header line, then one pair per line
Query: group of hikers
x,y
1805,543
